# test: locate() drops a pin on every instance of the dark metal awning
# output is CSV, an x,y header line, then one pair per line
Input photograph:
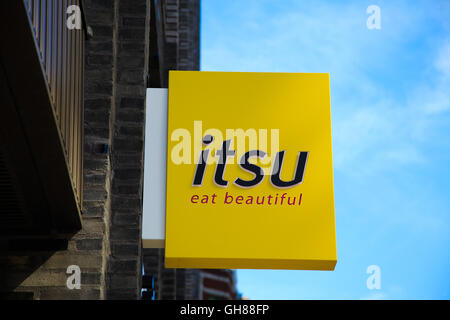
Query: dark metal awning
x,y
41,120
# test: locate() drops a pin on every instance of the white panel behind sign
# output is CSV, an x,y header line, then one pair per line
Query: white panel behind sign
x,y
154,206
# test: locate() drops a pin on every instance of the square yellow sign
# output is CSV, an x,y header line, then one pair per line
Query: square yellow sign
x,y
249,171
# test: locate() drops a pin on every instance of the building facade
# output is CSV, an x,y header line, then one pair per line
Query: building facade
x,y
73,83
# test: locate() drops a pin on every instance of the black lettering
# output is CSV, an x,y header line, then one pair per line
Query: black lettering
x,y
253,168
223,155
299,171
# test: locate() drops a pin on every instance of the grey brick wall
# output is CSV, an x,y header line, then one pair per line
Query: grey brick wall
x,y
181,52
108,248
152,259
131,57
183,34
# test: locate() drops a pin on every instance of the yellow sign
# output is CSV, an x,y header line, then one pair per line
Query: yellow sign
x,y
249,171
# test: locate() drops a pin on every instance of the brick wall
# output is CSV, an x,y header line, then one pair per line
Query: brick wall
x,y
108,248
181,52
183,34
124,265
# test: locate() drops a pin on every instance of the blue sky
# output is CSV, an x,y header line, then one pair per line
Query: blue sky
x,y
390,104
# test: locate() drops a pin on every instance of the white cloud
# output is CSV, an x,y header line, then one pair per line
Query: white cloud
x,y
390,105
372,125
443,60
435,97
393,131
